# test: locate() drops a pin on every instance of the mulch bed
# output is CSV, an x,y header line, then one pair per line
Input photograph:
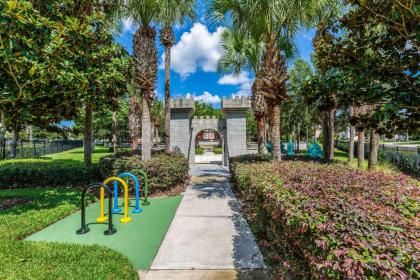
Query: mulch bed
x,y
8,203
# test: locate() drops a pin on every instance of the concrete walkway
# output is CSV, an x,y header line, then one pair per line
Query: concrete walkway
x,y
208,237
209,158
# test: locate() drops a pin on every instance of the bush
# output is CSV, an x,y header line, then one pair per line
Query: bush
x,y
163,171
199,151
218,151
45,172
330,221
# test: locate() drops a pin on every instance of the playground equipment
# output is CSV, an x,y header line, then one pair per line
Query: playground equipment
x,y
145,188
84,228
290,148
127,175
102,218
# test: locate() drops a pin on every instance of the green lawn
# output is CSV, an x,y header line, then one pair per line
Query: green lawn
x,y
74,156
60,169
343,156
402,143
77,154
41,260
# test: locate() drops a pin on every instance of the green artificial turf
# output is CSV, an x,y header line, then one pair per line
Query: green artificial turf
x,y
138,240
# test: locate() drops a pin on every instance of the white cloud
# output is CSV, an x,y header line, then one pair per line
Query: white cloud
x,y
206,97
197,50
128,25
243,82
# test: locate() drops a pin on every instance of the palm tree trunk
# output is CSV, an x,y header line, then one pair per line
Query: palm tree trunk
x,y
146,145
374,149
134,122
351,136
275,132
260,134
114,130
167,99
360,148
88,136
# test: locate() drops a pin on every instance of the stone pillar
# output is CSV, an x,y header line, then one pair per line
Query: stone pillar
x,y
181,111
235,111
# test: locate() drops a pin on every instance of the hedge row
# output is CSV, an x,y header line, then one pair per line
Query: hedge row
x,y
44,172
332,222
163,171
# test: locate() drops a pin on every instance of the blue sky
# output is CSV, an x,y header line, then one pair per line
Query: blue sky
x,y
194,62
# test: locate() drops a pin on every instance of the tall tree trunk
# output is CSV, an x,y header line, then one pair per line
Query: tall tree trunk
x,y
88,136
114,130
325,136
352,134
298,137
13,146
331,130
260,135
134,122
152,132
146,145
328,135
374,148
2,127
360,148
167,99
275,132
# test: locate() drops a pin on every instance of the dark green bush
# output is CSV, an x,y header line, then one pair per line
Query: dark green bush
x,y
44,172
163,171
319,221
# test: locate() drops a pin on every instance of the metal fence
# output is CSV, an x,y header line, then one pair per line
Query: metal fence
x,y
36,148
405,157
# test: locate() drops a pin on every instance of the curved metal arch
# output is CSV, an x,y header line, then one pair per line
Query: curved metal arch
x,y
144,175
137,188
84,228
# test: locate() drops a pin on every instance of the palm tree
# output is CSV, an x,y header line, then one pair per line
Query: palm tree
x,y
270,23
241,52
145,13
171,13
158,115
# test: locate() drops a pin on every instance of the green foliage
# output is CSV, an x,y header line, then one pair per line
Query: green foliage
x,y
204,109
164,172
297,115
199,150
251,126
218,150
102,122
31,260
60,169
331,221
54,59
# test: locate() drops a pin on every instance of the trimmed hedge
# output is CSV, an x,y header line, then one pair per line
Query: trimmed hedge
x,y
199,151
330,221
44,172
164,172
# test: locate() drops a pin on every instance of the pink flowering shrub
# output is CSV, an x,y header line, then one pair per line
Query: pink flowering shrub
x,y
330,221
